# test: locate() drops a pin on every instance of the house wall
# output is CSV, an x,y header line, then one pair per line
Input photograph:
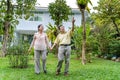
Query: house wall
x,y
42,16
31,26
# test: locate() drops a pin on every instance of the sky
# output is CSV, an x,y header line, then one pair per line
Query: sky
x,y
71,3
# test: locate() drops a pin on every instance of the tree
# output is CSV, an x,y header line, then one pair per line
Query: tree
x,y
109,11
9,13
82,4
59,11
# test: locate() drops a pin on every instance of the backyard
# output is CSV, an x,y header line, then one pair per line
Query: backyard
x,y
99,69
94,38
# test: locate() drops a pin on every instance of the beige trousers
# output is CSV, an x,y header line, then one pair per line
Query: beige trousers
x,y
63,54
37,55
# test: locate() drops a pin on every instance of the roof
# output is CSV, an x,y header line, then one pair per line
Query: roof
x,y
45,9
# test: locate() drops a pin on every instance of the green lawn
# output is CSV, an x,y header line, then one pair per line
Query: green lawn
x,y
99,69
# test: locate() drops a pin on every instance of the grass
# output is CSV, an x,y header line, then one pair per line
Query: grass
x,y
99,69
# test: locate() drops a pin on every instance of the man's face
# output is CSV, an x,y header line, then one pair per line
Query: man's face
x,y
62,29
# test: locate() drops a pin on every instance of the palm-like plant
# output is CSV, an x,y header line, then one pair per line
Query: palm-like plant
x,y
51,32
83,4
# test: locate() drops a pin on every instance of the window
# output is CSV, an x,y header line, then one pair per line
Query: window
x,y
31,19
37,16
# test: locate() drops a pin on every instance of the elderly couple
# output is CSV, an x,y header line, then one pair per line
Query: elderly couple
x,y
40,44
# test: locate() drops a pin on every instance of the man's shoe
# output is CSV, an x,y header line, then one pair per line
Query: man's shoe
x,y
45,72
57,73
65,74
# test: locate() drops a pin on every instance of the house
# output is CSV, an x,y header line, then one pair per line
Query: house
x,y
26,28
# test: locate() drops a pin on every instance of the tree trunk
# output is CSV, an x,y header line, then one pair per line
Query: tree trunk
x,y
84,37
6,28
5,39
117,29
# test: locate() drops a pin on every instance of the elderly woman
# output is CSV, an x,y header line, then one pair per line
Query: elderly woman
x,y
40,44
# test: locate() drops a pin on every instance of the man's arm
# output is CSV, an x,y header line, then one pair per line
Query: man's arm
x,y
73,21
55,43
53,46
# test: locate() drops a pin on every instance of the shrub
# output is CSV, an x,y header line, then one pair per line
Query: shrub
x,y
114,47
18,56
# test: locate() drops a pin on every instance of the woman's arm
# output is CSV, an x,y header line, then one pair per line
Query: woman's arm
x,y
32,43
47,41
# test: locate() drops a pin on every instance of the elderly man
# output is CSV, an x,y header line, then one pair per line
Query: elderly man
x,y
64,40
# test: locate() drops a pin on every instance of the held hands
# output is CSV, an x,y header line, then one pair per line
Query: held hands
x,y
51,48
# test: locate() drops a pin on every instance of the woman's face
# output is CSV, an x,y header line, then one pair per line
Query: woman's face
x,y
41,28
